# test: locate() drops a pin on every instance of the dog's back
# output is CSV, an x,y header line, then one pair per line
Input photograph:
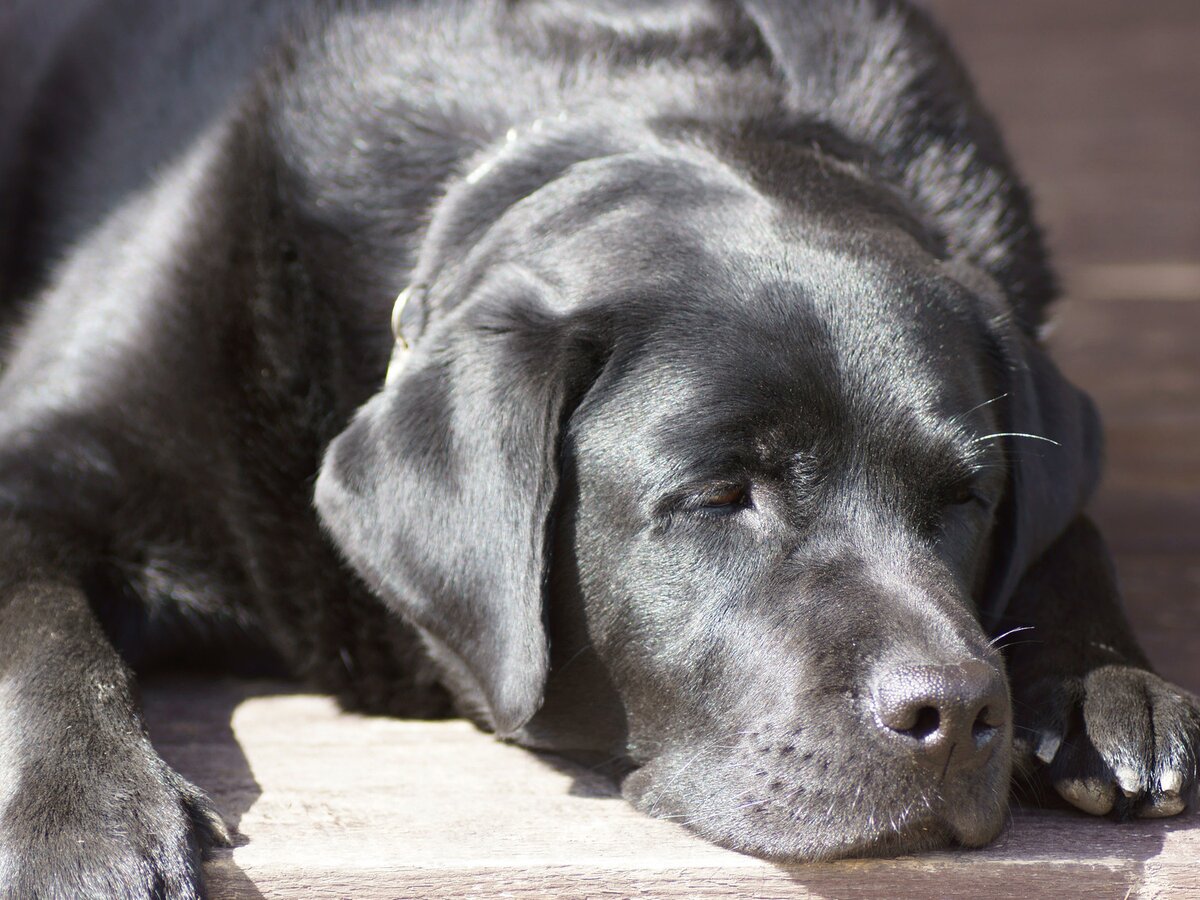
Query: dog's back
x,y
99,99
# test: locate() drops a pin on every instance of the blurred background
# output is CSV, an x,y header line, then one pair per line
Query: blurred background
x,y
1100,103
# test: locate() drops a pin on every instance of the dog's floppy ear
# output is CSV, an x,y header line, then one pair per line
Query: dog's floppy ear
x,y
1054,447
440,489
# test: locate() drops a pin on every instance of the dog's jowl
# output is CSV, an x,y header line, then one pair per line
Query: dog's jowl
x,y
712,431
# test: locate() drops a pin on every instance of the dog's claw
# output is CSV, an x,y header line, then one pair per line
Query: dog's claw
x,y
1047,747
1129,781
1088,794
1171,782
1167,802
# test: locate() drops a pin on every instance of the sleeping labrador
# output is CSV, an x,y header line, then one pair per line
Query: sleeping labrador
x,y
712,431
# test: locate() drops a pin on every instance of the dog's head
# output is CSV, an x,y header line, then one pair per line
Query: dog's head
x,y
722,481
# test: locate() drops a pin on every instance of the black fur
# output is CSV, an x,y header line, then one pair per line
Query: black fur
x,y
707,452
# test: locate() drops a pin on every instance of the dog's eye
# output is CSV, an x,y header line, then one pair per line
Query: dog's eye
x,y
726,497
712,499
966,494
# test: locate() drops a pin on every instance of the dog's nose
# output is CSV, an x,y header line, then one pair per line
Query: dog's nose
x,y
943,712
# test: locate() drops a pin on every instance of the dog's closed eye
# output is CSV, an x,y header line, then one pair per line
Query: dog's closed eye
x,y
712,498
725,498
968,493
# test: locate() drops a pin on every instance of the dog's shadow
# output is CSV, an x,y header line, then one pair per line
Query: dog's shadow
x,y
190,719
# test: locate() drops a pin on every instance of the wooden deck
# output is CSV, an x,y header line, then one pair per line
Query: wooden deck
x,y
1101,101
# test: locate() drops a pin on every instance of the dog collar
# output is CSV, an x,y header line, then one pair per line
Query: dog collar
x,y
408,320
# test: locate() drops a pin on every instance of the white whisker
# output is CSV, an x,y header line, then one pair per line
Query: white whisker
x,y
998,638
1019,434
962,416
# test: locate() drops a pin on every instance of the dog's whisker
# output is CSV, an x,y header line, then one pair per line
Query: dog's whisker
x,y
1021,643
1015,434
961,416
574,656
751,803
679,773
998,638
604,763
714,812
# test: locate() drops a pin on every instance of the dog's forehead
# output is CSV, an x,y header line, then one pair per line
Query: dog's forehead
x,y
830,328
767,359
739,318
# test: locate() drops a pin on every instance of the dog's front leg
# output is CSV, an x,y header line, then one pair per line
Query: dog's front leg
x,y
1091,715
87,808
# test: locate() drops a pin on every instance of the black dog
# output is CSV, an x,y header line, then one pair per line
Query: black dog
x,y
716,434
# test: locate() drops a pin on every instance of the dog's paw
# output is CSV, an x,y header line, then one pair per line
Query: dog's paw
x,y
1116,739
133,830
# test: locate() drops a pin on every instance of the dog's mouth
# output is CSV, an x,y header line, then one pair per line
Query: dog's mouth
x,y
820,803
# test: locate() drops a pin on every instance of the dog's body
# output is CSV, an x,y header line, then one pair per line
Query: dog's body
x,y
707,452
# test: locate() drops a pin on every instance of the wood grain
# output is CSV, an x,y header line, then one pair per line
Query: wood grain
x,y
333,805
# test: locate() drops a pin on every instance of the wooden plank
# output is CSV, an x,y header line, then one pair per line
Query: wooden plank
x,y
337,805
1144,281
1138,358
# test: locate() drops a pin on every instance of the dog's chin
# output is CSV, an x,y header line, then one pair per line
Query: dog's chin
x,y
809,823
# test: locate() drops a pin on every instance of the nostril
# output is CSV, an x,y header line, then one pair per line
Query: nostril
x,y
927,722
957,710
982,730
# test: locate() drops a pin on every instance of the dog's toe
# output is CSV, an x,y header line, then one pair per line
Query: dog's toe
x,y
1092,795
1168,800
1117,739
210,828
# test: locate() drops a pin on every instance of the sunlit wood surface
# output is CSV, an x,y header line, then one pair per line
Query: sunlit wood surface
x,y
1101,103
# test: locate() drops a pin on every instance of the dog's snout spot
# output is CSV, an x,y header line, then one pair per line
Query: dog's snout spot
x,y
940,712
